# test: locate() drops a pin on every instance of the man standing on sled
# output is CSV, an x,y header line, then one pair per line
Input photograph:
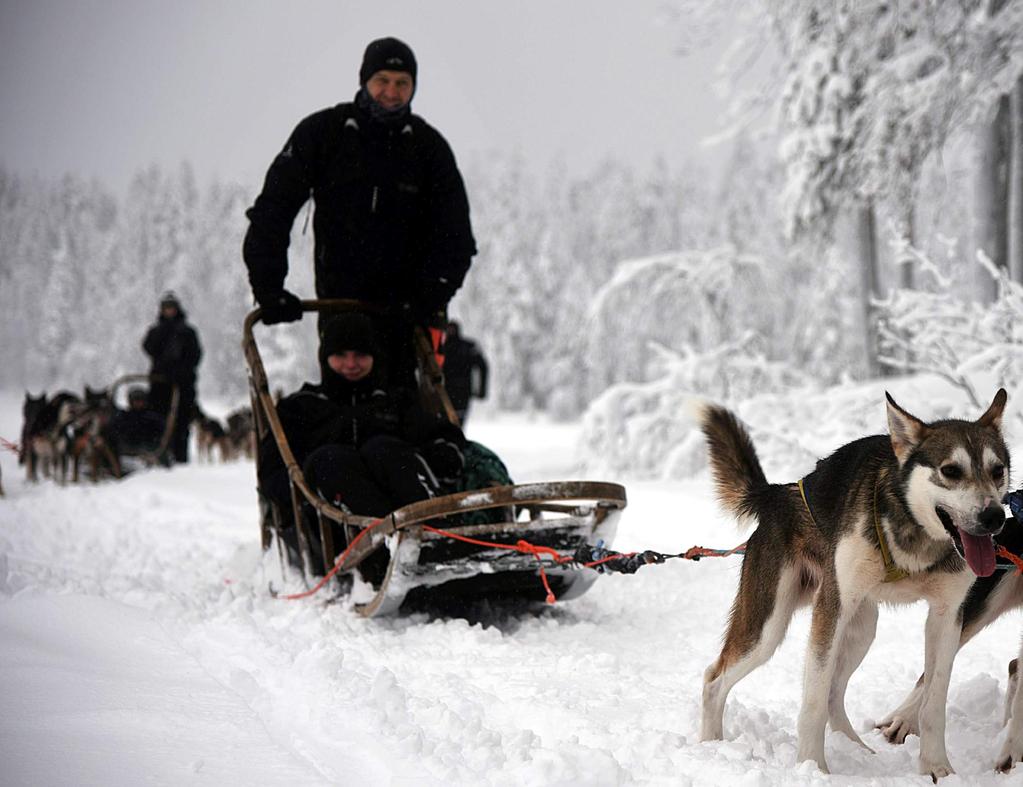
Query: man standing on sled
x,y
391,220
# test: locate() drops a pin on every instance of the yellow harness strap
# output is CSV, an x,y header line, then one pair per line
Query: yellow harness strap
x,y
892,573
802,494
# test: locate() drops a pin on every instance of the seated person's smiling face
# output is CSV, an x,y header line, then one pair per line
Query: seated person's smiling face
x,y
351,364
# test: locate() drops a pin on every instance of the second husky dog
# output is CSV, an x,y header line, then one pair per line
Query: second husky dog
x,y
891,518
988,599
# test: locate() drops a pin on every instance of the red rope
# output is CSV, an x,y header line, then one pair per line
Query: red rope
x,y
522,546
526,548
1014,559
9,445
694,553
337,564
608,559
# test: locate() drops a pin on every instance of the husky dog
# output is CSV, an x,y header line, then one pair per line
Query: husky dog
x,y
41,432
88,430
891,518
210,436
30,410
988,599
241,432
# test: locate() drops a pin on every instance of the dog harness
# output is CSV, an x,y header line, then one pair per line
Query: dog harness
x,y
892,572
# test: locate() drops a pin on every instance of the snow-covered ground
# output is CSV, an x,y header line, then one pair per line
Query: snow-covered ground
x,y
139,645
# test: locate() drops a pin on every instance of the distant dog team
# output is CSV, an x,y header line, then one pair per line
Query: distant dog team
x,y
61,433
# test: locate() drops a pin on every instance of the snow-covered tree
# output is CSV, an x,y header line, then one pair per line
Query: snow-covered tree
x,y
975,347
874,88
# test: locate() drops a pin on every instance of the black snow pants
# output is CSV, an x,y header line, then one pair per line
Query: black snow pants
x,y
383,474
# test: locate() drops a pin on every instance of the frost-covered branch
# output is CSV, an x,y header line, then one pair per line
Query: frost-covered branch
x,y
973,346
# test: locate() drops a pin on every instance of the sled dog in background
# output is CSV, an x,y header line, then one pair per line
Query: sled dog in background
x,y
210,437
41,430
890,518
241,432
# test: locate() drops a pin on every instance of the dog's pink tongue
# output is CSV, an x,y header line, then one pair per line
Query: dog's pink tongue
x,y
980,553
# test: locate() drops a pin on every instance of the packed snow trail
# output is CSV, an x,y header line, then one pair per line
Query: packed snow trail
x,y
139,644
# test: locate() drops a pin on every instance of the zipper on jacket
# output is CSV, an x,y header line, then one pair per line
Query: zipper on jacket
x,y
355,422
373,205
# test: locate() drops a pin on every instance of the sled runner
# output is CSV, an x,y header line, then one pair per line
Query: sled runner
x,y
472,543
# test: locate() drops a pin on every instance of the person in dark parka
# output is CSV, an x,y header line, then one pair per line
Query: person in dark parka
x,y
173,346
465,370
363,445
391,220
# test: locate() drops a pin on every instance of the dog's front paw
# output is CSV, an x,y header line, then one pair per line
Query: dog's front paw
x,y
1012,752
895,728
936,770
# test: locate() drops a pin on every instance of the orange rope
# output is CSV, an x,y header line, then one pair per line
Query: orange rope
x,y
522,546
526,548
337,563
695,553
1014,559
608,559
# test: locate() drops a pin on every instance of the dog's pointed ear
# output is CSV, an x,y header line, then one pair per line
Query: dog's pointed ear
x,y
907,431
993,416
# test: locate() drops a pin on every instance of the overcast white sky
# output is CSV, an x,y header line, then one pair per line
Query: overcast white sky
x,y
105,87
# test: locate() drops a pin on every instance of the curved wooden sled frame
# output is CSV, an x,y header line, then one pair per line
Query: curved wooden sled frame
x,y
99,449
150,458
589,509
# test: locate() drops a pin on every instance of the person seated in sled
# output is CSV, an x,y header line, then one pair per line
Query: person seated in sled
x,y
137,429
364,445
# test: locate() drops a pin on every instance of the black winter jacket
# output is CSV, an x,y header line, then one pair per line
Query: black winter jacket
x,y
391,222
173,346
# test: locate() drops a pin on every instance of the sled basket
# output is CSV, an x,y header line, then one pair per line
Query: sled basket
x,y
148,457
444,547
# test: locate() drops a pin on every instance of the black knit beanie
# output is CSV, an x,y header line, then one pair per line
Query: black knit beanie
x,y
349,331
170,299
387,54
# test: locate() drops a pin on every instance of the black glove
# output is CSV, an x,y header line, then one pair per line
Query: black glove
x,y
435,291
279,306
444,458
431,301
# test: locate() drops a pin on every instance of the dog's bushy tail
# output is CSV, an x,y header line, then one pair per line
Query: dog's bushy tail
x,y
733,460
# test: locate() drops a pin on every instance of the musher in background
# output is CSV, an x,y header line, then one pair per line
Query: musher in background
x,y
173,346
364,445
465,371
391,220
